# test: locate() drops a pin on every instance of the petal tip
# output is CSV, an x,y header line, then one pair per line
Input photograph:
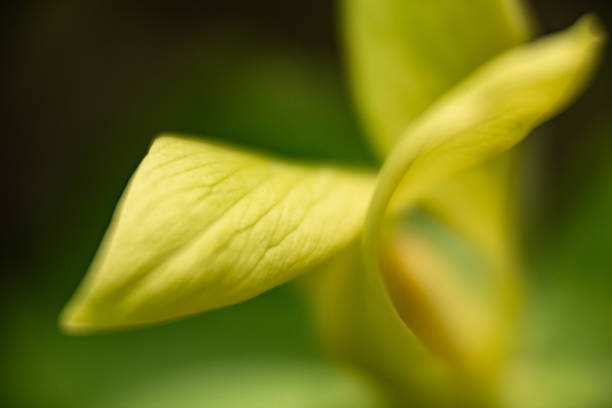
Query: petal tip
x,y
591,30
69,322
79,318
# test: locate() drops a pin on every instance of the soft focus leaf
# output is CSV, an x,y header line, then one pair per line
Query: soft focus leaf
x,y
405,54
359,325
202,226
565,354
452,294
460,261
254,384
486,114
481,204
541,382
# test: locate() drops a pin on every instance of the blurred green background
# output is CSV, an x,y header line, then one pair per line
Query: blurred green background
x,y
87,85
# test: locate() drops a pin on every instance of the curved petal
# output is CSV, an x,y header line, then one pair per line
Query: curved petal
x,y
485,115
404,54
202,226
360,326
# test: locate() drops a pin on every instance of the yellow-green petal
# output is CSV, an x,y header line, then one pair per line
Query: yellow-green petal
x,y
486,114
403,54
359,326
202,226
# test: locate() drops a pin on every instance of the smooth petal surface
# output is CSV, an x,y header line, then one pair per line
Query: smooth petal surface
x,y
360,326
486,114
404,54
202,226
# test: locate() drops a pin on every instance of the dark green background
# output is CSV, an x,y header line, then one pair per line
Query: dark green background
x,y
86,86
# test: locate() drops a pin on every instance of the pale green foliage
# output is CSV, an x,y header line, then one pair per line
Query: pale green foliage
x,y
490,111
494,108
254,384
405,54
202,226
486,114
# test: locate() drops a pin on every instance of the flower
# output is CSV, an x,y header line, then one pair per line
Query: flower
x,y
202,225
